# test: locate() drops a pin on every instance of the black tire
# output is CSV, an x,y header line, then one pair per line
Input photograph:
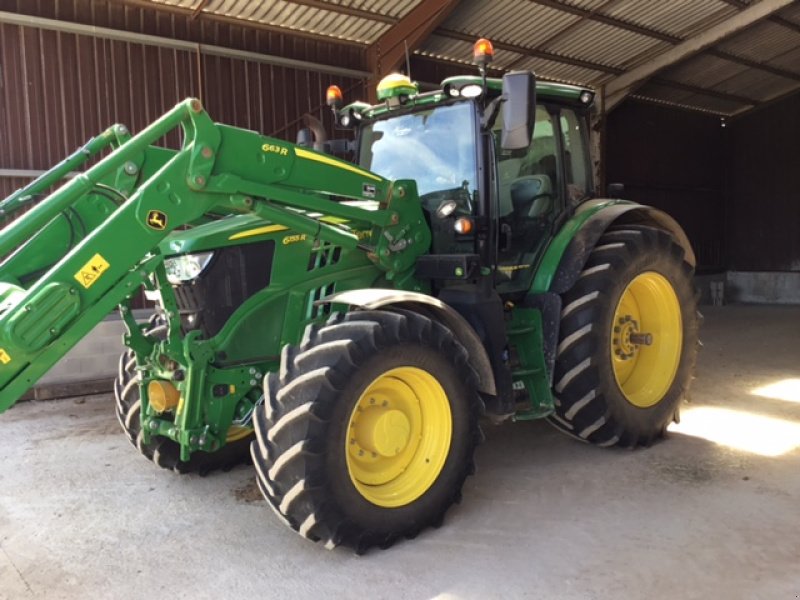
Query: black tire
x,y
301,431
162,451
590,403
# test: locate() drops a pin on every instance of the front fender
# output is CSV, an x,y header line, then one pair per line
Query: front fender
x,y
376,298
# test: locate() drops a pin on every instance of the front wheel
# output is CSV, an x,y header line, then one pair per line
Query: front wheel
x,y
162,451
628,340
368,431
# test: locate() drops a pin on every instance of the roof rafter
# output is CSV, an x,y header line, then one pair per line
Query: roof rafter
x,y
387,52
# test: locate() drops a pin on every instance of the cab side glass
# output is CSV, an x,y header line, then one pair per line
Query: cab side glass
x,y
576,164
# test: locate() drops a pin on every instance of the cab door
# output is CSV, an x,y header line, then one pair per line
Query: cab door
x,y
535,186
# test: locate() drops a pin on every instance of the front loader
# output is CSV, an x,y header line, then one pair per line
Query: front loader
x,y
348,324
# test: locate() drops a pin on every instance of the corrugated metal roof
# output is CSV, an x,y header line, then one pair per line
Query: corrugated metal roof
x,y
302,18
758,85
762,41
549,69
704,70
388,8
789,61
439,46
678,18
589,42
603,44
533,24
792,13
587,4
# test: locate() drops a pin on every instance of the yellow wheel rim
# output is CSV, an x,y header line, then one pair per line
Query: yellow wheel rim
x,y
646,339
398,437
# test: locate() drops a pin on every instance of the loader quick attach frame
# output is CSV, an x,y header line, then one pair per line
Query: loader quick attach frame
x,y
54,288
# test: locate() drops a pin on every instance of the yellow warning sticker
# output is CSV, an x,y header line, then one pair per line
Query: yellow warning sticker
x,y
91,271
4,357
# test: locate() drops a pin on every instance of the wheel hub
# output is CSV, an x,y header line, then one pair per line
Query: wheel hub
x,y
628,338
383,431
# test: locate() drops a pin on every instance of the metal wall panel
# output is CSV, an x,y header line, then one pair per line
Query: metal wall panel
x,y
59,89
673,160
764,194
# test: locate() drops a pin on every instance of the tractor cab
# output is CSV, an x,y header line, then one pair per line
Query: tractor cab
x,y
499,163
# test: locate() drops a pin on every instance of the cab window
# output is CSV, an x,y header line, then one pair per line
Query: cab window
x,y
573,137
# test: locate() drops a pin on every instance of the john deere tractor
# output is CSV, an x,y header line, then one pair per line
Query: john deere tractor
x,y
351,323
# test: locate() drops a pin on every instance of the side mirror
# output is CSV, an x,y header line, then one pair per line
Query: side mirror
x,y
519,92
615,190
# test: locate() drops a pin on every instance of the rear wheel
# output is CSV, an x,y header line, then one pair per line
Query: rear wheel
x,y
162,451
368,430
628,340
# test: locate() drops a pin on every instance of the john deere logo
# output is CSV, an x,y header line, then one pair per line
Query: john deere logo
x,y
157,220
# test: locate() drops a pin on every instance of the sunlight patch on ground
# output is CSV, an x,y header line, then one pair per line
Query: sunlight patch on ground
x,y
741,430
786,389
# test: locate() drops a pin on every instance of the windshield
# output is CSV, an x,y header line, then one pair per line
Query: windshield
x,y
434,147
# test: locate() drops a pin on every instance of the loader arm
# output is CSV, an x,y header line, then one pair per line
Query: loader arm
x,y
131,200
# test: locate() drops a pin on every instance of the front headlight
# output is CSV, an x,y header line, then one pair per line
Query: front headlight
x,y
181,269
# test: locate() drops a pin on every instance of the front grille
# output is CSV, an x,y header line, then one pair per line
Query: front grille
x,y
234,274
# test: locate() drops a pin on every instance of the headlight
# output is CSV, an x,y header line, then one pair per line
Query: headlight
x,y
181,269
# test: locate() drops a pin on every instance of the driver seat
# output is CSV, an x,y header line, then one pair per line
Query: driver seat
x,y
532,196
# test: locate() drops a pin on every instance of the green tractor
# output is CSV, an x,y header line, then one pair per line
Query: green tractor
x,y
349,324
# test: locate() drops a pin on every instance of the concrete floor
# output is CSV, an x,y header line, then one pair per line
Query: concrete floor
x,y
713,512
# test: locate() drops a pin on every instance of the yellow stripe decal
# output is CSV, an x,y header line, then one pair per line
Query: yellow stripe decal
x,y
4,357
258,231
334,220
334,163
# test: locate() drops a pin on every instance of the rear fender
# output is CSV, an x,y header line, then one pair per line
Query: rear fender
x,y
567,254
376,299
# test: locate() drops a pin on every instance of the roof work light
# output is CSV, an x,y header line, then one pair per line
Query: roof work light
x,y
483,52
333,96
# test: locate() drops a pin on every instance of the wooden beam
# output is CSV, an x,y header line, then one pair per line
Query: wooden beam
x,y
618,88
388,52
